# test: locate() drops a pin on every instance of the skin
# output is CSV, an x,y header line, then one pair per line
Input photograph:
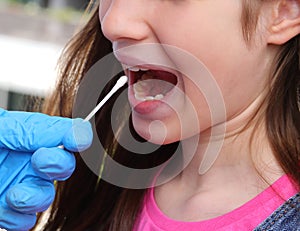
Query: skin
x,y
241,73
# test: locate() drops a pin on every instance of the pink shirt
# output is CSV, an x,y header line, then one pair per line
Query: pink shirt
x,y
246,217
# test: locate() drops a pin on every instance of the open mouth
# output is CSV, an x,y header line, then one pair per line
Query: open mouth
x,y
150,84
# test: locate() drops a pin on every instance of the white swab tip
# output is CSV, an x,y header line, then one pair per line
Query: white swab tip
x,y
122,80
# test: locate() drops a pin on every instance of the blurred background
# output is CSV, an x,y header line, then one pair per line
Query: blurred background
x,y
32,36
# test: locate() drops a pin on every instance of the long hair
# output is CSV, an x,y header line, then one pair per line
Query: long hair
x,y
85,202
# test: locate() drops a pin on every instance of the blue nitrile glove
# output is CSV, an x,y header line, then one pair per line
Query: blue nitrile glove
x,y
30,160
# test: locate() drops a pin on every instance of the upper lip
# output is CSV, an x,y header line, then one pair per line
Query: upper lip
x,y
129,60
133,61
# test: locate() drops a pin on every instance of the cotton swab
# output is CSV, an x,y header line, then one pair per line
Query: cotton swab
x,y
120,83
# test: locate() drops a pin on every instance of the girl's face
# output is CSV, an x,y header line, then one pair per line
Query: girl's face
x,y
207,30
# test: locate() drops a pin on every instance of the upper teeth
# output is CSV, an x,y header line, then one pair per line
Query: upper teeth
x,y
136,69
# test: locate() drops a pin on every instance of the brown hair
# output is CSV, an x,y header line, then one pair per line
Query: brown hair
x,y
282,103
85,202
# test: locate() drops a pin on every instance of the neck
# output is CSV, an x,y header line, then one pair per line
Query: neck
x,y
234,153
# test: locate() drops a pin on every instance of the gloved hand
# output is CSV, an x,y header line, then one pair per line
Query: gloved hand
x,y
30,160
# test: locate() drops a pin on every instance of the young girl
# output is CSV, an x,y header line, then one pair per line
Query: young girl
x,y
252,49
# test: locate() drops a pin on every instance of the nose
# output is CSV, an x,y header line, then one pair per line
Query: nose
x,y
124,20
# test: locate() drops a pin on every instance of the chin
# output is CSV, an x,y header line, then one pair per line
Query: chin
x,y
156,137
160,131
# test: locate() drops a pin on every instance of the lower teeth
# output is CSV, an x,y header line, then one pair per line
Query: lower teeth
x,y
148,98
148,90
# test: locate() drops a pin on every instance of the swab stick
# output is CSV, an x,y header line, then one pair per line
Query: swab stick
x,y
120,83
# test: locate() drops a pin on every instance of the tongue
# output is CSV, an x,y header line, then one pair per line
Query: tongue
x,y
152,87
153,83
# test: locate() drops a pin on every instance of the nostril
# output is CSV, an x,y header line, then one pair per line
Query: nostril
x,y
112,28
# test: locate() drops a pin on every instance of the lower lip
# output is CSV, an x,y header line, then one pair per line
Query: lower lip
x,y
147,107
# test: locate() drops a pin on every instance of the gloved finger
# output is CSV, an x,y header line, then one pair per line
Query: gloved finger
x,y
25,131
79,137
31,196
12,168
14,221
53,163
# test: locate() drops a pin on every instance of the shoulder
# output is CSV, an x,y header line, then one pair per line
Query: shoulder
x,y
285,218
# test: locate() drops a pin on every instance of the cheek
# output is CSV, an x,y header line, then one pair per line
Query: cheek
x,y
189,120
206,106
219,45
236,75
